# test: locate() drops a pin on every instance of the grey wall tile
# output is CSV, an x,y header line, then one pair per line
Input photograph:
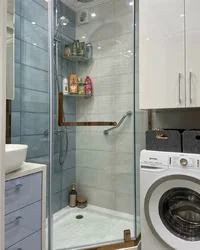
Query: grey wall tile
x,y
16,140
72,141
57,167
42,2
18,6
16,103
70,105
17,26
62,67
66,11
65,197
56,183
15,124
37,145
17,50
33,56
34,34
70,161
68,178
68,30
34,12
34,101
29,81
71,118
17,74
56,202
33,123
41,160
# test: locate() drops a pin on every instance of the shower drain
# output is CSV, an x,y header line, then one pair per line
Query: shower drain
x,y
79,217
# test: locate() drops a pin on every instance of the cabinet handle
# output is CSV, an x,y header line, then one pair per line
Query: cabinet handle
x,y
16,220
18,186
179,88
190,86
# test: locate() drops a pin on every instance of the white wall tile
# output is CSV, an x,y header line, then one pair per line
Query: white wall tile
x,y
95,178
98,197
124,142
101,160
106,162
95,141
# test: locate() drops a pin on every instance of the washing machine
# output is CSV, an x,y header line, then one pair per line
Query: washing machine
x,y
170,200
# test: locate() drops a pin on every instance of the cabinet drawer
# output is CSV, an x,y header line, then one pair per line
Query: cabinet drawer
x,y
22,192
33,242
22,223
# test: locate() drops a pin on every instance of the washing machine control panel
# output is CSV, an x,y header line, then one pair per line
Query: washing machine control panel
x,y
181,161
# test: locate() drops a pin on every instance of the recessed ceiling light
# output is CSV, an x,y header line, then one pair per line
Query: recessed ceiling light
x,y
33,23
129,51
182,15
34,44
99,47
131,3
83,37
93,14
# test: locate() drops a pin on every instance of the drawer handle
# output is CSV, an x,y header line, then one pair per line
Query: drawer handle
x,y
17,220
18,186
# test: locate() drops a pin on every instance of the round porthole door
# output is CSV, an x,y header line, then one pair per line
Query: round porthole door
x,y
172,210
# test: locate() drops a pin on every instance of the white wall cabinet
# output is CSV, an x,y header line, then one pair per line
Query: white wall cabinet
x,y
169,54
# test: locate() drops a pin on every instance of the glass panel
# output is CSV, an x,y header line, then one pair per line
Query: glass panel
x,y
10,59
179,210
94,164
99,160
141,122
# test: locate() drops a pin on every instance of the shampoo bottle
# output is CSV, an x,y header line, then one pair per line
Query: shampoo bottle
x,y
65,86
88,86
73,196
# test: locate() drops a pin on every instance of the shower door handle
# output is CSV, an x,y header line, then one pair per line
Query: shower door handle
x,y
62,123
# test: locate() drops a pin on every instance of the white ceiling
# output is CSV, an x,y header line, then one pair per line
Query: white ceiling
x,y
77,6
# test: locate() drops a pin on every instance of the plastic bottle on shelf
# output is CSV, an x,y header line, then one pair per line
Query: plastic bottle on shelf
x,y
88,86
65,86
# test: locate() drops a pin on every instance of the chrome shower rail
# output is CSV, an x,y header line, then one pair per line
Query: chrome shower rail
x,y
128,113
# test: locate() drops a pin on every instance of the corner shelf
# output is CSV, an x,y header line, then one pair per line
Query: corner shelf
x,y
77,95
79,59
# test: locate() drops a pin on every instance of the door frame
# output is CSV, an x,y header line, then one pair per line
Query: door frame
x,y
3,23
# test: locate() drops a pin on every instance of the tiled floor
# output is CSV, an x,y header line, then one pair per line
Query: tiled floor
x,y
99,226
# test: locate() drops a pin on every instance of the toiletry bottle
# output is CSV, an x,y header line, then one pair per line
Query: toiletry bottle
x,y
78,47
65,86
74,48
88,86
73,84
73,196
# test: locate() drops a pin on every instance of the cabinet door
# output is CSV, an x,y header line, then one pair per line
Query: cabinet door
x,y
162,67
192,53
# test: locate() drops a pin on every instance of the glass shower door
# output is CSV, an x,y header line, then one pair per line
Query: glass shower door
x,y
94,132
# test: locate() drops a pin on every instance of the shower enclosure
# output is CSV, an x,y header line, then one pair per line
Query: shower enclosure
x,y
94,140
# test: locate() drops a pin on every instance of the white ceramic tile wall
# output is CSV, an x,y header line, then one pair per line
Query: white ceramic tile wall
x,y
105,164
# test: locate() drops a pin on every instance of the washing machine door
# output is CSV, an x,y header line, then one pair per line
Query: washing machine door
x,y
172,210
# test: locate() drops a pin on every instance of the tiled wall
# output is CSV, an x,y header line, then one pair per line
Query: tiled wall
x,y
30,107
105,164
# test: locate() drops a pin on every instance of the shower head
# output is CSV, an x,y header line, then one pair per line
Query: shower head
x,y
63,21
85,1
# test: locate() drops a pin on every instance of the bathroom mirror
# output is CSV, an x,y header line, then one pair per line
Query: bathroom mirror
x,y
10,59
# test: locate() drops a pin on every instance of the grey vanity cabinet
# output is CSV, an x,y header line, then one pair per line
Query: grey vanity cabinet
x,y
23,212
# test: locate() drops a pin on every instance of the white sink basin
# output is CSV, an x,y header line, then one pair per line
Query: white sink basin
x,y
15,156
